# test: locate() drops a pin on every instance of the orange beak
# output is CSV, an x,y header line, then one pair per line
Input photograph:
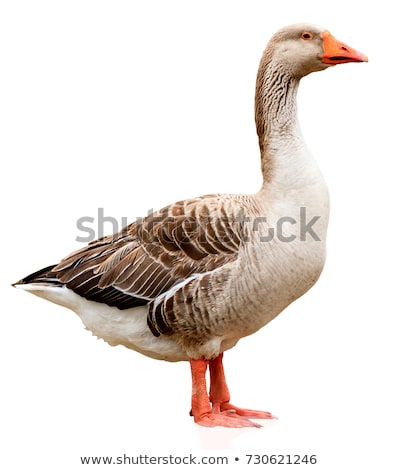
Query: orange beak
x,y
336,52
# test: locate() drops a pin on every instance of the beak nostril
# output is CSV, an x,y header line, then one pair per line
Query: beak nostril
x,y
344,48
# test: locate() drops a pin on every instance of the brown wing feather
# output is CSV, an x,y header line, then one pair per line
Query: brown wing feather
x,y
155,253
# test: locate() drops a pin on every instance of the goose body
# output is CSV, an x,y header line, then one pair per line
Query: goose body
x,y
187,282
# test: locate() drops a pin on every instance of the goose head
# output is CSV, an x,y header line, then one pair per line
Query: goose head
x,y
305,48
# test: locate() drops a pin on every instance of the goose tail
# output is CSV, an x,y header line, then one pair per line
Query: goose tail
x,y
44,276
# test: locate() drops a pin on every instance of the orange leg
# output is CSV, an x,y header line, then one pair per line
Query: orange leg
x,y
223,413
219,393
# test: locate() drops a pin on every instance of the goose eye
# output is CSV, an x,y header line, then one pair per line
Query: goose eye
x,y
306,35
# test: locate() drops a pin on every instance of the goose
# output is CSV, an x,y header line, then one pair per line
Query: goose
x,y
187,282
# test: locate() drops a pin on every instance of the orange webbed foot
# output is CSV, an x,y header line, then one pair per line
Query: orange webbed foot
x,y
228,420
228,407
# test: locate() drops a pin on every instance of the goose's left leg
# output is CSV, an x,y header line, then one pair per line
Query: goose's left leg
x,y
219,394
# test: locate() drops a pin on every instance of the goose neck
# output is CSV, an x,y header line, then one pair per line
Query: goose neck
x,y
276,114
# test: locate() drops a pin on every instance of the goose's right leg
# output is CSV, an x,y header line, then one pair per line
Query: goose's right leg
x,y
219,394
201,408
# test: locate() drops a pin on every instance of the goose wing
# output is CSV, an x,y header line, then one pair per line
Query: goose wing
x,y
156,254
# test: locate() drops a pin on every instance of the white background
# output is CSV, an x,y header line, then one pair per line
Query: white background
x,y
131,105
